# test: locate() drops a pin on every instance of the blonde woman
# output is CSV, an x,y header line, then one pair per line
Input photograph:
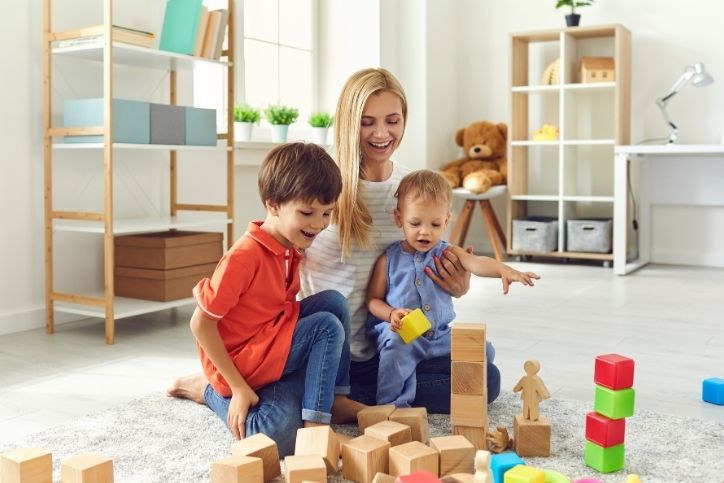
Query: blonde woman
x,y
369,125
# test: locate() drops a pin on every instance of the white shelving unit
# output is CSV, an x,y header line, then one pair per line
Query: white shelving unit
x,y
108,53
571,177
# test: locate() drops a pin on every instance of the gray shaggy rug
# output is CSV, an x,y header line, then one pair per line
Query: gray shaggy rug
x,y
160,439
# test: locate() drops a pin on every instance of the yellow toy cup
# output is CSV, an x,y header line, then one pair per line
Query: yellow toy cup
x,y
414,325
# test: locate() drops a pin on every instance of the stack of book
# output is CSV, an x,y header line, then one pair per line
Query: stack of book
x,y
190,28
120,34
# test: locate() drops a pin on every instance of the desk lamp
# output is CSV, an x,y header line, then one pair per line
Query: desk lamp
x,y
699,77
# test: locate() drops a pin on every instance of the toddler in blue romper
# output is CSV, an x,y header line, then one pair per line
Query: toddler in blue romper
x,y
399,284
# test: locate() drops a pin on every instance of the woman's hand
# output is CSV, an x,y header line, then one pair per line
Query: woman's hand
x,y
241,400
450,276
509,275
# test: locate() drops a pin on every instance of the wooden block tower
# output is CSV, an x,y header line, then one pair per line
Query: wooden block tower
x,y
468,385
614,401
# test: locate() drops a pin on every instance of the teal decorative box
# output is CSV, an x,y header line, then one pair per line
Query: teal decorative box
x,y
200,126
168,124
131,120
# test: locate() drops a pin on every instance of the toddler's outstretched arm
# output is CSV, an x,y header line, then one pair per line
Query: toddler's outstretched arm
x,y
489,267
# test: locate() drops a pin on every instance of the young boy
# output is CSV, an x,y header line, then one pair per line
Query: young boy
x,y
398,285
250,329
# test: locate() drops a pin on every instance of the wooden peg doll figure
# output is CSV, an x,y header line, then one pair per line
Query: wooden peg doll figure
x,y
482,467
532,390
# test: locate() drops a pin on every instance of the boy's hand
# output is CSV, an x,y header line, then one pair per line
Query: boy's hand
x,y
509,275
241,400
396,318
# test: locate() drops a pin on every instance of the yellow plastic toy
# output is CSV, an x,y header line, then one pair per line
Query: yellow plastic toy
x,y
547,133
414,325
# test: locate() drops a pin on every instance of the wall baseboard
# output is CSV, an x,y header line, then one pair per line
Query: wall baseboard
x,y
30,319
712,260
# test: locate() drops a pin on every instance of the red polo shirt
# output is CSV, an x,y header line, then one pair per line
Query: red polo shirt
x,y
252,294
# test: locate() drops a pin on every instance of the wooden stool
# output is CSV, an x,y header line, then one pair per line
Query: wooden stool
x,y
460,230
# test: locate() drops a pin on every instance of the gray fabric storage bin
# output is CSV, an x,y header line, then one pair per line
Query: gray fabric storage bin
x,y
592,235
168,124
535,234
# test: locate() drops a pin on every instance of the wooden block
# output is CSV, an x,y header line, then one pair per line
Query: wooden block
x,y
319,440
456,454
532,438
26,465
416,419
373,414
87,468
459,478
413,456
393,432
476,436
363,457
261,446
341,439
469,378
469,411
305,467
468,342
383,478
238,469
418,477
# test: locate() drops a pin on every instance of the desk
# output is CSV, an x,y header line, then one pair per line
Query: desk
x,y
632,164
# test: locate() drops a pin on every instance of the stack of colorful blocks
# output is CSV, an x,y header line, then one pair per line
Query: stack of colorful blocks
x,y
614,401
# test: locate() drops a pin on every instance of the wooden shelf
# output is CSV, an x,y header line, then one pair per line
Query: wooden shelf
x,y
577,255
144,225
148,147
123,307
591,86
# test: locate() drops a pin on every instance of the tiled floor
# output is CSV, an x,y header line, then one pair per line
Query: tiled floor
x,y
669,319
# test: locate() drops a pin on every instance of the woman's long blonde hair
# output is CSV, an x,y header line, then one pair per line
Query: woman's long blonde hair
x,y
351,216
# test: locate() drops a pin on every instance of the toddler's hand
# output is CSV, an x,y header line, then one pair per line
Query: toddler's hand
x,y
509,275
396,318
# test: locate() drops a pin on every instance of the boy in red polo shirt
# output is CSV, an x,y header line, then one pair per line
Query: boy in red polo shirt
x,y
250,329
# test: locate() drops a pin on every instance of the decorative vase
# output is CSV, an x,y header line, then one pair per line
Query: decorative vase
x,y
573,19
242,131
319,135
279,133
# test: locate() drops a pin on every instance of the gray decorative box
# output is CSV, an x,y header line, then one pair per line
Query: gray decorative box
x,y
168,124
592,235
535,234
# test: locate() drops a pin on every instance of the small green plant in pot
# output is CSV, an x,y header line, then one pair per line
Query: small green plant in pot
x,y
280,117
573,18
320,122
245,117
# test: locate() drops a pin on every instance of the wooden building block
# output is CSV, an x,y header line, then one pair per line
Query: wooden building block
x,y
87,468
418,477
416,419
319,440
413,456
341,439
238,469
460,478
614,404
605,431
476,436
393,432
469,411
261,446
383,478
456,454
26,465
468,342
524,474
305,467
469,378
532,438
613,371
363,457
373,414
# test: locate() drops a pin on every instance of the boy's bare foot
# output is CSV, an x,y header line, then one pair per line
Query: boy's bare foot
x,y
344,409
189,387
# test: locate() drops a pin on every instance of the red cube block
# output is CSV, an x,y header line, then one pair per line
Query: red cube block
x,y
614,371
604,431
418,477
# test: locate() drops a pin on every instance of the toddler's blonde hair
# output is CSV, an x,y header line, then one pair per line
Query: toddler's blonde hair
x,y
425,184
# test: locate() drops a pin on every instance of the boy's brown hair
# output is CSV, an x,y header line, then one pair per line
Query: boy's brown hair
x,y
425,184
299,171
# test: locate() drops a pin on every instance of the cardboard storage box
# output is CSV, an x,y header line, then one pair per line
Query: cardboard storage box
x,y
159,285
168,124
535,234
168,250
131,120
200,126
592,235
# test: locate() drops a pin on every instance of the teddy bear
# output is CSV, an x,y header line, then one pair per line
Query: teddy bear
x,y
484,164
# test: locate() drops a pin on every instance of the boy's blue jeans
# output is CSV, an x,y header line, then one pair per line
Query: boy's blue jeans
x,y
321,340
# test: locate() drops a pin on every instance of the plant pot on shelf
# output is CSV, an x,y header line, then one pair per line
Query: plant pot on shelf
x,y
242,131
279,133
319,135
573,19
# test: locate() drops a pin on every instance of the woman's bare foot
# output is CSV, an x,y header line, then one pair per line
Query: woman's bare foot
x,y
189,387
344,409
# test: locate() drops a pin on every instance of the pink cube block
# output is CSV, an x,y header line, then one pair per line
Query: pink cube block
x,y
603,431
614,371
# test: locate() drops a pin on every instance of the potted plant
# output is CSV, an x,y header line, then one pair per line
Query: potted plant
x,y
280,117
573,18
245,117
320,122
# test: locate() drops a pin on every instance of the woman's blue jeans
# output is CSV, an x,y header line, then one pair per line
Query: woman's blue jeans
x,y
321,340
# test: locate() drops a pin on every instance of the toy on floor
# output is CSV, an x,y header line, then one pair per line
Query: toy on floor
x,y
414,325
531,431
712,390
547,133
26,464
633,478
499,440
482,467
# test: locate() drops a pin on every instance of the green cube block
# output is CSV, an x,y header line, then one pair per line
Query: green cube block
x,y
604,460
614,404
